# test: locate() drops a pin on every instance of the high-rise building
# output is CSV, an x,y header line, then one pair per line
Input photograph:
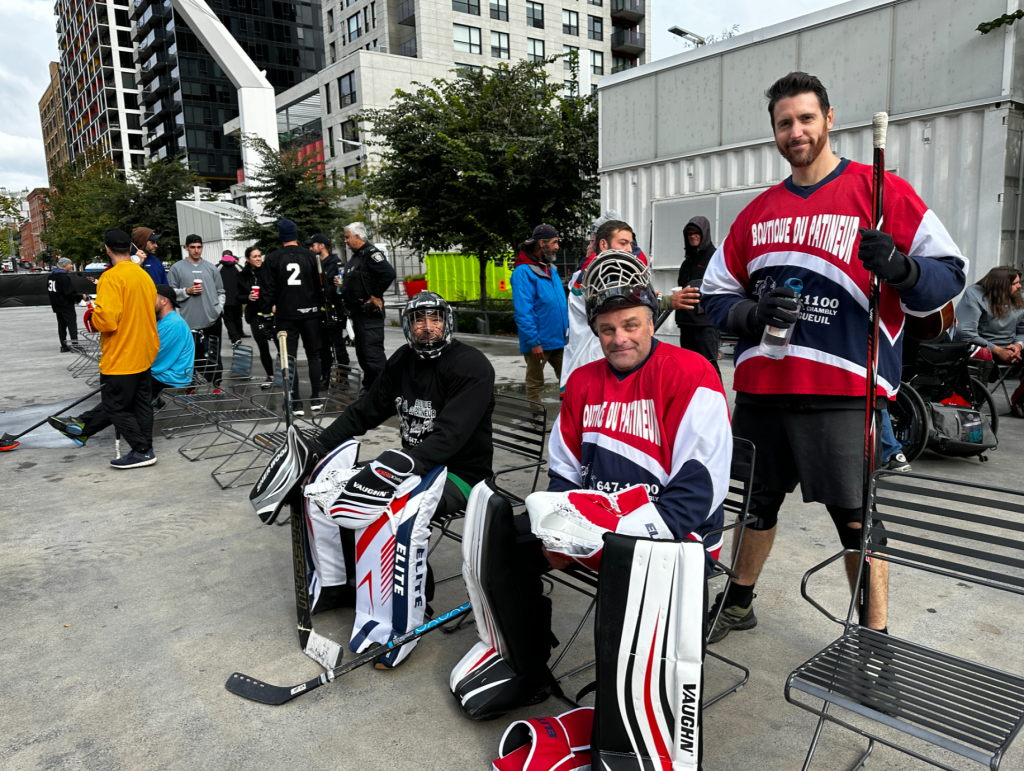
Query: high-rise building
x,y
51,116
98,86
188,98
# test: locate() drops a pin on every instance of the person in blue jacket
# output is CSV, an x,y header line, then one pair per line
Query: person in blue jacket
x,y
540,307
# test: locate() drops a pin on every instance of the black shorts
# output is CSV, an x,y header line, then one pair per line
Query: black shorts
x,y
821,449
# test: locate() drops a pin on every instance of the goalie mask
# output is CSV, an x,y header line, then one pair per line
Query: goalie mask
x,y
616,279
428,323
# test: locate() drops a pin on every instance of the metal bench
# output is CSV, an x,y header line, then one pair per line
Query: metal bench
x,y
902,693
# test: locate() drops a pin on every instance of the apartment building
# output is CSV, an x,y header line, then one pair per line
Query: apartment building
x,y
51,116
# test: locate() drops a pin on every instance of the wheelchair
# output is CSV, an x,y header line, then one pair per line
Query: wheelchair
x,y
937,371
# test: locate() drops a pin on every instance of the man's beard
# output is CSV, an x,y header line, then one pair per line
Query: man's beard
x,y
548,253
804,155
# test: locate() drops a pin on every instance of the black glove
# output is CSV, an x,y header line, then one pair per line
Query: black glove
x,y
778,308
367,494
879,254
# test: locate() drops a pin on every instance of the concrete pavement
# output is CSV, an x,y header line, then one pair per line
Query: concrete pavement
x,y
128,598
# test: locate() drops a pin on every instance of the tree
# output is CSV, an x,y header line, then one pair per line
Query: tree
x,y
295,188
477,162
87,197
155,188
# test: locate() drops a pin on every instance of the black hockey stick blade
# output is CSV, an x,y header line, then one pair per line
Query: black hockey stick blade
x,y
265,693
10,441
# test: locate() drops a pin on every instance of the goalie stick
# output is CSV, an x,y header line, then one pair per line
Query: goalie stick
x,y
265,693
10,441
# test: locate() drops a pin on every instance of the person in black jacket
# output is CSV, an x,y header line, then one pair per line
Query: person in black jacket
x,y
696,332
62,301
332,337
292,292
367,276
248,281
229,270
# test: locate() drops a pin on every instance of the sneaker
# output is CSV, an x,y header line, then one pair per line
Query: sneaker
x,y
65,349
733,617
135,460
1017,409
236,344
897,462
71,428
316,405
297,409
267,384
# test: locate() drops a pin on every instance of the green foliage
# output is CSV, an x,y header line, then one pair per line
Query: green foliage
x,y
9,208
1007,18
478,161
87,197
293,188
155,189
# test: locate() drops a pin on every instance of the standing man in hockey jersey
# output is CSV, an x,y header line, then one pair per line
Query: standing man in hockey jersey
x,y
805,412
367,276
332,338
291,290
201,297
63,299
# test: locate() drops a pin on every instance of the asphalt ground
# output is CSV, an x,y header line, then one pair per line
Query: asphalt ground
x,y
129,598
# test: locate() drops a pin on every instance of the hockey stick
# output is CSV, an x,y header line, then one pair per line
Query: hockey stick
x,y
265,693
10,441
879,126
282,348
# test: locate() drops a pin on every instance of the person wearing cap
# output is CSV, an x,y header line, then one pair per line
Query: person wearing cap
x,y
229,269
63,298
292,292
366,277
200,292
145,241
696,332
171,368
539,304
129,342
332,338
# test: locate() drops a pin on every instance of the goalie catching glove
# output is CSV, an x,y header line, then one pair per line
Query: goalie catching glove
x,y
573,523
368,493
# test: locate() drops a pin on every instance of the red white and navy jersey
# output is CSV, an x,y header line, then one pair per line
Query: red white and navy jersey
x,y
811,234
664,425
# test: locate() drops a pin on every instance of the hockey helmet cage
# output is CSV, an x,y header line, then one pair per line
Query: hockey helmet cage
x,y
426,303
616,278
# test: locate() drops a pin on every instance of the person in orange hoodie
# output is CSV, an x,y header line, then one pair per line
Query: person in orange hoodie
x,y
124,315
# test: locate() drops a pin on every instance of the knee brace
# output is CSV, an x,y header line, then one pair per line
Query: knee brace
x,y
765,505
849,536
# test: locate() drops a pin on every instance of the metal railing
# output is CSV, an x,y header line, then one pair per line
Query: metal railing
x,y
408,48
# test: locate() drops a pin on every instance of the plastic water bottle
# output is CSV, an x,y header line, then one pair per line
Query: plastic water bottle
x,y
775,341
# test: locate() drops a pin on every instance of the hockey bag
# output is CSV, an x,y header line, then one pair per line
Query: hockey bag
x,y
547,743
649,635
501,672
959,431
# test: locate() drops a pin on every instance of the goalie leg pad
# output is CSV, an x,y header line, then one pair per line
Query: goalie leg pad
x,y
548,743
650,647
502,671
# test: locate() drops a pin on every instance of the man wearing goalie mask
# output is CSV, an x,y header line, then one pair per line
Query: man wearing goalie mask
x,y
642,447
442,392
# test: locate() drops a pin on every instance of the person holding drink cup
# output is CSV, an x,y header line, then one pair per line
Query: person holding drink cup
x,y
259,318
200,293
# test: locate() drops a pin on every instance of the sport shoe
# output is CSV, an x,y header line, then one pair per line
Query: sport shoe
x,y
897,462
266,384
71,428
135,460
316,405
297,409
733,617
65,349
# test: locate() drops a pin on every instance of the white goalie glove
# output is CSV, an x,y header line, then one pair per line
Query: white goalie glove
x,y
573,523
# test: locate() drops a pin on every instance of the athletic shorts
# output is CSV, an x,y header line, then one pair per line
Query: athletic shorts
x,y
821,449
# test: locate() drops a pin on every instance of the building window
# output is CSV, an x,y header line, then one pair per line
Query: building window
x,y
499,46
373,15
355,27
570,23
596,63
467,39
353,172
467,69
330,21
568,50
334,53
133,121
327,96
330,139
534,15
347,89
349,132
595,28
598,3
534,50
570,88
499,10
620,63
467,6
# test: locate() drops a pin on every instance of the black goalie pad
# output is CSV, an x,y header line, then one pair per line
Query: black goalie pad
x,y
649,635
506,668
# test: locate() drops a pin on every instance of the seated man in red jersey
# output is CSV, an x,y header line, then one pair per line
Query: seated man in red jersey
x,y
642,447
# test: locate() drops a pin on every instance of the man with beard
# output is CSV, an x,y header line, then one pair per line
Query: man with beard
x,y
803,411
540,309
696,332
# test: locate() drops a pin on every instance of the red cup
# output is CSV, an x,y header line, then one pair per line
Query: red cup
x,y
198,283
256,291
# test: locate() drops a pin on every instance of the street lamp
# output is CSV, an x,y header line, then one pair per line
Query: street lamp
x,y
357,145
692,37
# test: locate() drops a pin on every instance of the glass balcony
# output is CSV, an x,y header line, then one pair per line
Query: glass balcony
x,y
630,11
627,42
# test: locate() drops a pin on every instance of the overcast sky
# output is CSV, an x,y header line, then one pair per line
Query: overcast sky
x,y
29,44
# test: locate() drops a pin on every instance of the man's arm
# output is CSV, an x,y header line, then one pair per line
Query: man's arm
x,y
218,282
106,310
381,272
565,445
724,290
67,289
369,412
268,287
174,281
968,318
524,297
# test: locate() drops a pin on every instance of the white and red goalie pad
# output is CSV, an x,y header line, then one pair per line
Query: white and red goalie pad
x,y
322,532
573,523
547,743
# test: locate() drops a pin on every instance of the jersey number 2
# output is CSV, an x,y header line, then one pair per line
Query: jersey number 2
x,y
293,279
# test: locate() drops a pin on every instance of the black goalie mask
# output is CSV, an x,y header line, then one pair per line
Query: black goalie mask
x,y
616,279
428,323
